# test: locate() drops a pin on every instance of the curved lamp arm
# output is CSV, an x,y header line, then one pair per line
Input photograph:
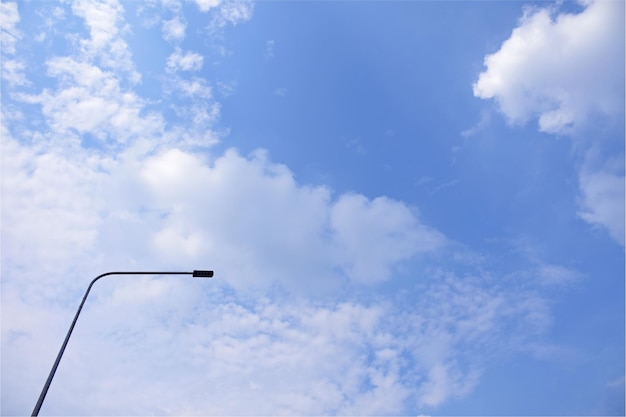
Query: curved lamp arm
x,y
44,391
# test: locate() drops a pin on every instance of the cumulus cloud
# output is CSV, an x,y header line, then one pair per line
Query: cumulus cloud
x,y
272,224
561,69
567,71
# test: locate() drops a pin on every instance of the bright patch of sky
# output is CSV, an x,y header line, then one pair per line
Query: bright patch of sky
x,y
410,207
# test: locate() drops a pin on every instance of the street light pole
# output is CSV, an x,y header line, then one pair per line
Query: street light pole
x,y
44,391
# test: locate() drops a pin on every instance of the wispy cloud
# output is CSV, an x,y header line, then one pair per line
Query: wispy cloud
x,y
602,197
281,92
485,118
226,89
447,184
269,49
355,145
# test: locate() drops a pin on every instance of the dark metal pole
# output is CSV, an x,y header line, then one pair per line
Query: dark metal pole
x,y
44,391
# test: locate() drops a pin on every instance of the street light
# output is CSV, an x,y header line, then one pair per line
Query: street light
x,y
44,391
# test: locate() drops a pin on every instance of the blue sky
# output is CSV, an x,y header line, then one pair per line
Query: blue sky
x,y
410,207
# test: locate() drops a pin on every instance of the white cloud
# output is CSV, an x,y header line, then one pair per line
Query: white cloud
x,y
567,70
13,72
10,34
176,347
602,199
377,234
196,87
104,20
222,14
195,105
12,69
269,49
189,61
444,382
562,70
272,224
549,274
91,100
49,211
445,185
232,12
184,347
483,122
174,29
206,5
227,89
258,228
282,92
